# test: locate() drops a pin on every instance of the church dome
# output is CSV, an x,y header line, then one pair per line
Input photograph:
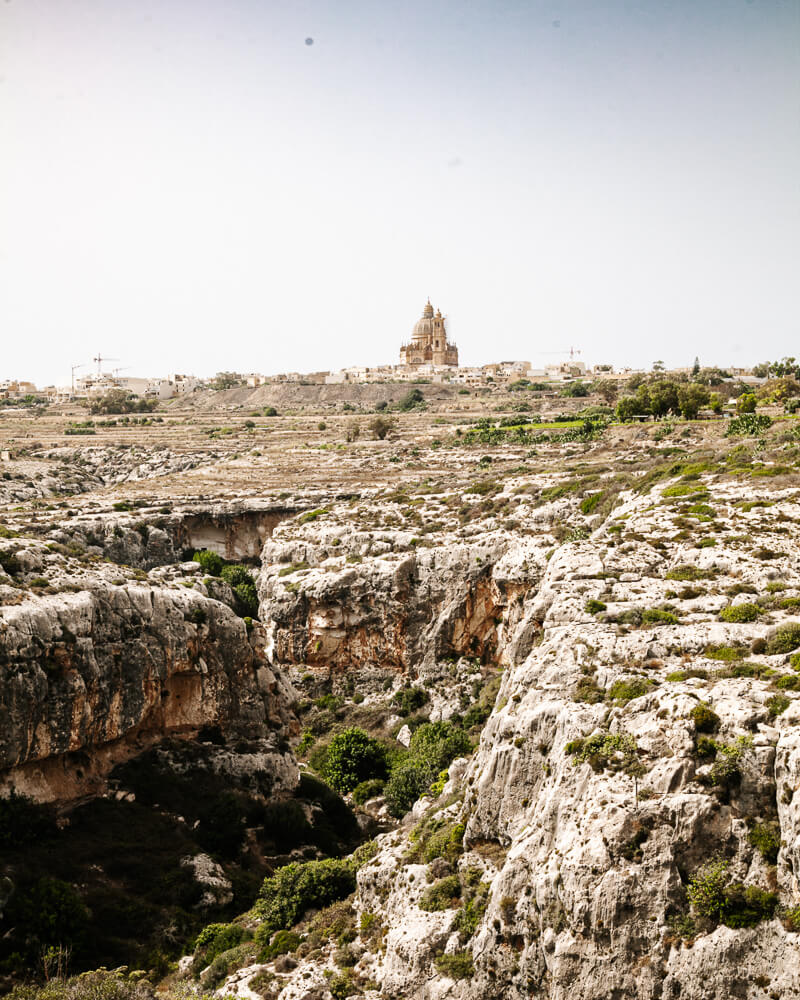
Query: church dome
x,y
423,328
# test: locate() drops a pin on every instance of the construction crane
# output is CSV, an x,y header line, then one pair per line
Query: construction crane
x,y
116,371
100,360
572,351
74,369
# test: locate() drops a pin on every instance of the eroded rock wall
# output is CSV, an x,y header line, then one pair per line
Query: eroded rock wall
x,y
88,679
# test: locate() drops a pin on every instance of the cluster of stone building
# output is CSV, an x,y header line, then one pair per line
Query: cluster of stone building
x,y
429,355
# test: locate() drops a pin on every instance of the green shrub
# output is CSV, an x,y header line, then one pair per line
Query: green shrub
x,y
727,767
594,607
53,913
616,751
458,965
412,400
214,939
624,691
272,945
786,639
588,690
726,652
442,895
210,561
705,718
408,781
439,743
706,890
791,919
409,699
270,411
366,790
285,896
777,704
747,906
713,897
433,747
446,841
748,425
690,573
591,503
197,616
353,757
740,613
99,985
655,616
765,837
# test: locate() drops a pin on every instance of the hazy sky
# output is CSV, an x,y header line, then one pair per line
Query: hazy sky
x,y
190,186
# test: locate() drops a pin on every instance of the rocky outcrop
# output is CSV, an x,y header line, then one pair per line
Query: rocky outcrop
x,y
587,863
351,600
91,678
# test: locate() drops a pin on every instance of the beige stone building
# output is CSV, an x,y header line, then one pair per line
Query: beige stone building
x,y
429,344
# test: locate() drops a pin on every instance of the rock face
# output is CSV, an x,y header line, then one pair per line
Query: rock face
x,y
382,603
88,679
585,881
592,801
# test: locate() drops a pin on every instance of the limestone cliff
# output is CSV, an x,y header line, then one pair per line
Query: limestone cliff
x,y
88,679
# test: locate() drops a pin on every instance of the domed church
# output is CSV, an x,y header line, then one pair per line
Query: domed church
x,y
429,342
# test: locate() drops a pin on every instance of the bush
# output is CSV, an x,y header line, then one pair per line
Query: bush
x,y
689,573
53,913
285,824
210,561
705,718
624,691
765,837
281,943
443,842
353,757
410,699
439,743
748,425
594,607
244,590
740,613
706,890
270,411
777,704
747,906
100,985
655,616
285,896
413,399
457,965
367,790
442,895
380,427
407,782
727,767
213,940
786,638
433,747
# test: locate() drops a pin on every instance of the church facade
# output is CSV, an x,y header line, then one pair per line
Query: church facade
x,y
428,345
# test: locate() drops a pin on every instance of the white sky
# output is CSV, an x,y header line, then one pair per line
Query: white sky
x,y
185,185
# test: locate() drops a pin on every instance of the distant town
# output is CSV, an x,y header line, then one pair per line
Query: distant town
x,y
428,357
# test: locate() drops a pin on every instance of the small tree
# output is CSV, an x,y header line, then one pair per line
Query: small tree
x,y
380,427
353,757
690,398
746,403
